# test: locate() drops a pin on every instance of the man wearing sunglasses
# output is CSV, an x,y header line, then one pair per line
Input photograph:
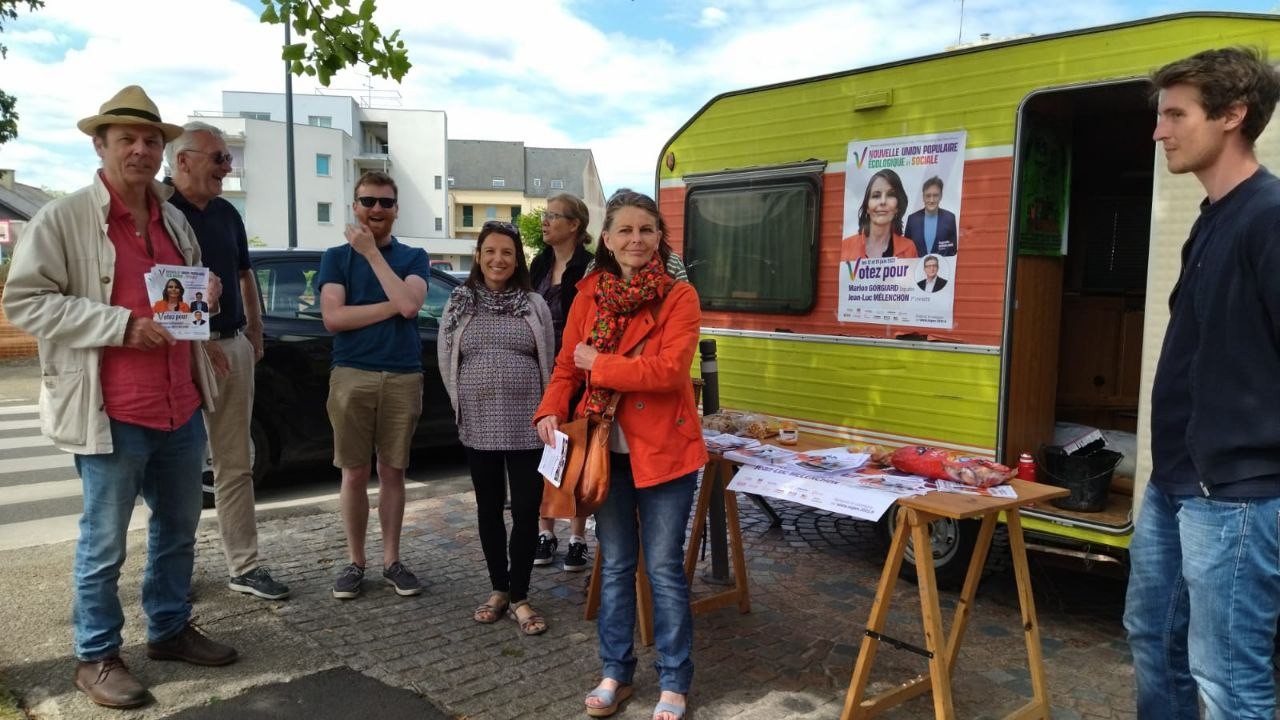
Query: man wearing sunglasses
x,y
197,162
370,291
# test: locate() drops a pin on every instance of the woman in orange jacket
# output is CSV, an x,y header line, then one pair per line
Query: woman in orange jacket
x,y
656,446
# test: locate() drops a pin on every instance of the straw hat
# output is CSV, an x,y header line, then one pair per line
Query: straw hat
x,y
130,106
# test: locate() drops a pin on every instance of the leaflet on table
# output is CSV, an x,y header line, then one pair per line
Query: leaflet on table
x,y
834,460
837,494
719,442
998,491
553,459
178,300
892,481
760,455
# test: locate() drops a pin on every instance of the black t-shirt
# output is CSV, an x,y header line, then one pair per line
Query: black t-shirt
x,y
224,249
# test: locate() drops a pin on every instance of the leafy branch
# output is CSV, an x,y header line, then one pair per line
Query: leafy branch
x,y
340,37
8,103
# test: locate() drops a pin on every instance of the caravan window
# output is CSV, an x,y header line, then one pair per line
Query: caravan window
x,y
753,246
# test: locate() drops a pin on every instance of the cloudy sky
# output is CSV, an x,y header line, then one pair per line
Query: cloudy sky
x,y
616,76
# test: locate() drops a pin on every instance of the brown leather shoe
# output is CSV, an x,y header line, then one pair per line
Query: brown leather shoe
x,y
109,683
191,646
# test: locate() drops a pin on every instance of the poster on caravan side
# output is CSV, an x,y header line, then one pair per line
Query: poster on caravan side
x,y
178,300
901,230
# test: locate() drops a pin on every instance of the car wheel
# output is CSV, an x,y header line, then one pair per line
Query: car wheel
x,y
952,544
259,452
259,462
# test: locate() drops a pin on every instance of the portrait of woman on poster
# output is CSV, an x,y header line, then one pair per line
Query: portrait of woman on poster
x,y
880,226
172,300
656,446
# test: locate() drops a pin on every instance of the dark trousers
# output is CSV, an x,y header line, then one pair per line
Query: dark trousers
x,y
490,471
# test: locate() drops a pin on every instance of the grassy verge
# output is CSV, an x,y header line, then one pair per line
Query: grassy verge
x,y
9,707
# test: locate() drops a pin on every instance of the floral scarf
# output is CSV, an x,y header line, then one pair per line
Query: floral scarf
x,y
617,300
465,300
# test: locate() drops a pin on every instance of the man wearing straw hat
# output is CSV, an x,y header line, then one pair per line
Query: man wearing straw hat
x,y
119,392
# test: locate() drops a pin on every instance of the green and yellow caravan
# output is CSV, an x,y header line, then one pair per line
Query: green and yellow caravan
x,y
1053,248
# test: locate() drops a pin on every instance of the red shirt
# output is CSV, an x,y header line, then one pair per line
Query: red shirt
x,y
151,388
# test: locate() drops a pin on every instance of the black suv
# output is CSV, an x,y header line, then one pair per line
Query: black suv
x,y
290,425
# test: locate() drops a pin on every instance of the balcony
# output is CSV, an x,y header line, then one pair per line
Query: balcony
x,y
375,149
469,225
233,182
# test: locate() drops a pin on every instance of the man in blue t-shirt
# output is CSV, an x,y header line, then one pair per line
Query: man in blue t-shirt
x,y
1204,584
370,292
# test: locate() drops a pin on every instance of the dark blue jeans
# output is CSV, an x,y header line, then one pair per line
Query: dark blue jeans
x,y
664,513
1204,593
164,467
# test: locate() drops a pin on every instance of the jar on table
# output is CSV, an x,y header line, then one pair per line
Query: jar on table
x,y
788,433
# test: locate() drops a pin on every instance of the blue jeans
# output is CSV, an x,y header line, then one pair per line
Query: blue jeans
x,y
1204,594
164,467
664,513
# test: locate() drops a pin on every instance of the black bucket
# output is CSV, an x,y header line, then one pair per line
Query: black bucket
x,y
1088,477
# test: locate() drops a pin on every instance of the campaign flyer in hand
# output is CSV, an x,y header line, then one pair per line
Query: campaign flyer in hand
x,y
179,300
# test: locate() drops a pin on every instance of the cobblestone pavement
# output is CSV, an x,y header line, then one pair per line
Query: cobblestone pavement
x,y
812,584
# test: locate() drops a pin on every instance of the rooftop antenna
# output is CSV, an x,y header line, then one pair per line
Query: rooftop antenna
x,y
960,34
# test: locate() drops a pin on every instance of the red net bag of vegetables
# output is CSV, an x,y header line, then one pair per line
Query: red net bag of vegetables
x,y
939,464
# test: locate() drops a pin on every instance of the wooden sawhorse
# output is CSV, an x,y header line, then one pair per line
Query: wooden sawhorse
x,y
716,477
914,515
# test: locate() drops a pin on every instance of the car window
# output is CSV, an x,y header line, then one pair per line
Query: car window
x,y
433,304
288,289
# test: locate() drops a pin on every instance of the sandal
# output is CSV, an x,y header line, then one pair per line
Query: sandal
x,y
532,624
676,711
613,699
491,612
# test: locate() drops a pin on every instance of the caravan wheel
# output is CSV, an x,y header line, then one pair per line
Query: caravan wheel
x,y
952,543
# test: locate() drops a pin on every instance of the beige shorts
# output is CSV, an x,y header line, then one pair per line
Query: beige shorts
x,y
373,411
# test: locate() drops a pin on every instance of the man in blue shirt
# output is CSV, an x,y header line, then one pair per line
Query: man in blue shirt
x,y
1204,582
370,292
932,229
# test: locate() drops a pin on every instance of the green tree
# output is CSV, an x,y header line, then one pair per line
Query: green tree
x,y
340,37
530,225
8,103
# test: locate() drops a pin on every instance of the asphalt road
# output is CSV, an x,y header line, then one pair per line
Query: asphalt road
x,y
40,491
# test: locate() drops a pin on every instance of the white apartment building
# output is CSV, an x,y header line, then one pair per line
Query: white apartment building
x,y
335,140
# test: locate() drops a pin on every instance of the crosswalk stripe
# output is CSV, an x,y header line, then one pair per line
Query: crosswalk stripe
x,y
19,424
41,491
67,527
24,442
39,462
19,409
54,529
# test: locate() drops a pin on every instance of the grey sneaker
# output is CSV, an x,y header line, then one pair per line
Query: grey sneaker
x,y
575,558
545,553
258,582
347,585
405,582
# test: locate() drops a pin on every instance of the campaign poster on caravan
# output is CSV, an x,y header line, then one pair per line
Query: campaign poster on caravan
x,y
901,230
179,300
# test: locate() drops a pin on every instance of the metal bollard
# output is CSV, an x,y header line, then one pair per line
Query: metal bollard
x,y
710,377
717,531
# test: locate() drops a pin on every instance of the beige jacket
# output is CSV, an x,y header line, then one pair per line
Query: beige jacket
x,y
59,290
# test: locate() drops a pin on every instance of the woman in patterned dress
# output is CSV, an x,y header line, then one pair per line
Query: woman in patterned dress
x,y
495,350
